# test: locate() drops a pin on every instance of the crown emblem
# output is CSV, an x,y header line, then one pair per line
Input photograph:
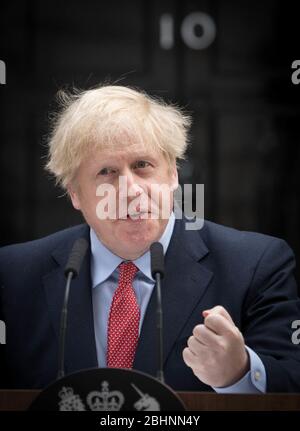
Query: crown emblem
x,y
70,401
105,400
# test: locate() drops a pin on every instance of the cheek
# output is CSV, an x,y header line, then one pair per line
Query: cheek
x,y
161,197
89,196
88,205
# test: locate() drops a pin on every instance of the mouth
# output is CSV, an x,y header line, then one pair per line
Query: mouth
x,y
138,216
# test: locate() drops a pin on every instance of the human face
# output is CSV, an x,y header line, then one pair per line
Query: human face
x,y
131,235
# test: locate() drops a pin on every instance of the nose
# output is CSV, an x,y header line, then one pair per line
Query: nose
x,y
133,187
129,189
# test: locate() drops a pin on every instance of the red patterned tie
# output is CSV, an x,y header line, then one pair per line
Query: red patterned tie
x,y
124,318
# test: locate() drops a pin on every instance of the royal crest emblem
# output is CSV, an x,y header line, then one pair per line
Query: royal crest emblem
x,y
70,401
145,403
105,400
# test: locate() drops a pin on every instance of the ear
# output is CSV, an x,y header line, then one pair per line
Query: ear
x,y
174,177
73,193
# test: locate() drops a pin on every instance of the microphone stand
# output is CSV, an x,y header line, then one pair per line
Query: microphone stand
x,y
72,269
159,325
63,327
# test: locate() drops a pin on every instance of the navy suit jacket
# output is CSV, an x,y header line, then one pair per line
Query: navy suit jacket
x,y
248,273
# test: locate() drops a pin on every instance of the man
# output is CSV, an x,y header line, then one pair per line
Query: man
x,y
229,298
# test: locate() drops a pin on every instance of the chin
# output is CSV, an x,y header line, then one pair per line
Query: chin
x,y
140,237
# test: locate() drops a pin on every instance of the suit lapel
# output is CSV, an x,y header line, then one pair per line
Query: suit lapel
x,y
80,337
186,280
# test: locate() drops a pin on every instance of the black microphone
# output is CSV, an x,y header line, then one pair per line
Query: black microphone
x,y
71,271
158,271
76,257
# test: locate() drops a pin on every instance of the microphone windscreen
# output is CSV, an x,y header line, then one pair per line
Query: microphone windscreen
x,y
76,257
157,259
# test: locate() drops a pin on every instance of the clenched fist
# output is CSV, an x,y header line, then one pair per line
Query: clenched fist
x,y
216,351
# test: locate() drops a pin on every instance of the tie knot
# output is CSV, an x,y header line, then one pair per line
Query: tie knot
x,y
127,271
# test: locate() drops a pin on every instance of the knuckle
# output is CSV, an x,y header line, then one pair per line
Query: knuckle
x,y
185,352
198,330
186,356
210,319
190,340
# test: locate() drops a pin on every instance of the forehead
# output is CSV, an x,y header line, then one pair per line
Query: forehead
x,y
125,153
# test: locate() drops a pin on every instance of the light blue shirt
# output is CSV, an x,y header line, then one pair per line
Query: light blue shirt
x,y
104,275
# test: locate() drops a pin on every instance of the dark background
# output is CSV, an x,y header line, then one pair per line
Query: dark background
x,y
245,107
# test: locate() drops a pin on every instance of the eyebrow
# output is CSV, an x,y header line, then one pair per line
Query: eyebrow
x,y
134,158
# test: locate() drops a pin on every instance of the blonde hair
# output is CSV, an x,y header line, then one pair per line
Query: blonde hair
x,y
101,117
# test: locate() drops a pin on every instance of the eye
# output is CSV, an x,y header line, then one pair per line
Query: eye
x,y
141,164
106,171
